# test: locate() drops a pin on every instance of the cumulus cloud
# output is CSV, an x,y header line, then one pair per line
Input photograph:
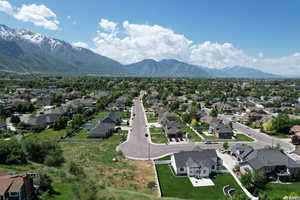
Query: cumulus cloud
x,y
39,15
130,43
80,44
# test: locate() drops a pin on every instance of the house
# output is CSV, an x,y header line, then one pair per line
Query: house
x,y
221,130
16,187
42,120
106,127
240,151
112,118
170,126
198,163
102,130
273,163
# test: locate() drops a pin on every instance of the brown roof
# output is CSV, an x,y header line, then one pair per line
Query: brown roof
x,y
17,183
10,183
4,185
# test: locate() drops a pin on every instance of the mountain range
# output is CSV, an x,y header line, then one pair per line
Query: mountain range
x,y
23,51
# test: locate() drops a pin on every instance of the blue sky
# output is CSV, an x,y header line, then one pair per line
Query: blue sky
x,y
265,31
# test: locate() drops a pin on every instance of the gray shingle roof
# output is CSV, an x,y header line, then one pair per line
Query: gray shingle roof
x,y
268,158
197,157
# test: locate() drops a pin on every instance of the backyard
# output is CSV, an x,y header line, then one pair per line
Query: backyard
x,y
278,191
181,187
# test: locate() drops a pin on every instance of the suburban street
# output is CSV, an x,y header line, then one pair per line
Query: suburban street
x,y
138,146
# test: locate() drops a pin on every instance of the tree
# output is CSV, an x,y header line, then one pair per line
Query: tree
x,y
60,123
43,150
11,152
15,119
282,124
246,179
225,145
45,182
214,113
268,126
259,179
194,123
186,117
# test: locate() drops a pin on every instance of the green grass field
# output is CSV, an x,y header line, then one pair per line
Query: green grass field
x,y
50,133
192,135
82,134
157,136
243,138
151,118
278,191
172,186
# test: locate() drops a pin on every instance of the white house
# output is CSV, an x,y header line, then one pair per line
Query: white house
x,y
199,163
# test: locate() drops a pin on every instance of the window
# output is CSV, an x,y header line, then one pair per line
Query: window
x,y
204,171
13,194
181,169
213,167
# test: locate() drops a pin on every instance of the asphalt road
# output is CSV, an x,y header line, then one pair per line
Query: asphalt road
x,y
138,146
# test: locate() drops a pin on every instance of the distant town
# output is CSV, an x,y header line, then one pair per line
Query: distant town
x,y
148,138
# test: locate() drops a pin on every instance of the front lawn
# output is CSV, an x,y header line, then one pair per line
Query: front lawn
x,y
278,191
181,187
243,138
151,118
124,115
157,136
191,134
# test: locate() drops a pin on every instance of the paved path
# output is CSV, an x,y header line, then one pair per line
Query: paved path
x,y
138,146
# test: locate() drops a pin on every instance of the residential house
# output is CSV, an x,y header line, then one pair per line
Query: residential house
x,y
240,151
42,120
112,118
221,130
275,164
102,130
198,163
106,127
16,187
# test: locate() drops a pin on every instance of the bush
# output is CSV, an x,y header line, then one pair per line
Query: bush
x,y
11,153
61,123
75,169
42,150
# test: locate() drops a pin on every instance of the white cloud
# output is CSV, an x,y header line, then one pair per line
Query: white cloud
x,y
80,44
130,43
39,15
6,7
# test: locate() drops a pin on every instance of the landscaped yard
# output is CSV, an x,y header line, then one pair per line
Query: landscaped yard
x,y
278,191
151,118
243,138
157,136
192,135
82,134
102,114
50,133
124,115
181,187
209,137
